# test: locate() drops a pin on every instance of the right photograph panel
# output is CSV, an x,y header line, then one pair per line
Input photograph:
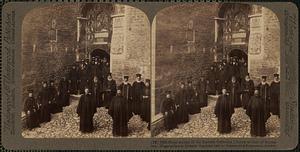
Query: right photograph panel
x,y
217,69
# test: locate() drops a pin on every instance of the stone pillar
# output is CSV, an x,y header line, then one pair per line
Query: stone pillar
x,y
153,46
264,44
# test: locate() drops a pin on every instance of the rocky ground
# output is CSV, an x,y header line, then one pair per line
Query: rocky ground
x,y
66,125
204,125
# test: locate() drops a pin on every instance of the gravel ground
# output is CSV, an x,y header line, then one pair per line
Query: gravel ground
x,y
66,125
204,125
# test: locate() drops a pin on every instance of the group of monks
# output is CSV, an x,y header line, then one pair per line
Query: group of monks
x,y
96,87
238,91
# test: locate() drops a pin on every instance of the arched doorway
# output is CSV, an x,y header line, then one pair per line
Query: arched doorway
x,y
239,55
100,54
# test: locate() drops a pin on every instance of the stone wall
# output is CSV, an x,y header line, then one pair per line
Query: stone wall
x,y
130,46
264,45
174,63
42,58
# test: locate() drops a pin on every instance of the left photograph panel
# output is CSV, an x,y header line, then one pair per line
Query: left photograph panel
x,y
86,71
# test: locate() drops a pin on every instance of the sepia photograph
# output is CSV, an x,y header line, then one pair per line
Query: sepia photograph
x,y
217,69
86,71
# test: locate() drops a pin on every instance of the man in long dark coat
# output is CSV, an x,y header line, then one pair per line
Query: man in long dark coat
x,y
83,78
96,91
194,104
73,78
182,104
44,104
63,92
105,67
203,91
137,93
168,110
190,93
126,89
275,96
86,109
264,91
145,104
55,107
234,92
110,89
30,109
120,112
211,77
224,111
258,113
247,88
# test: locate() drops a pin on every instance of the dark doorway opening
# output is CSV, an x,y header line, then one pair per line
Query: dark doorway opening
x,y
239,54
99,53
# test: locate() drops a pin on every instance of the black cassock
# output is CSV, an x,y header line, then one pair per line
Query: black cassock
x,y
182,104
259,114
96,89
234,94
202,93
32,119
211,88
224,111
126,91
44,106
110,90
247,89
137,92
168,110
264,92
55,106
145,104
64,93
275,98
120,112
83,79
194,104
73,76
86,110
95,71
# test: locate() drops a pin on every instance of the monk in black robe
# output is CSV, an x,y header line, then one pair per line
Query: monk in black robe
x,y
194,104
243,69
83,78
182,104
126,89
73,78
146,100
63,92
264,91
224,111
247,88
120,112
234,92
55,107
110,89
105,68
86,109
258,113
96,91
30,109
137,93
203,92
211,77
44,104
168,110
190,92
275,96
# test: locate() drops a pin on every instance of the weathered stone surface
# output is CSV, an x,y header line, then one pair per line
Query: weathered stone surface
x,y
204,125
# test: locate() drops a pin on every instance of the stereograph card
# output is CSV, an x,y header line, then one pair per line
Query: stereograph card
x,y
149,75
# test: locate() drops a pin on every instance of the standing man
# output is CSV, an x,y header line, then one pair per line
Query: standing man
x,y
258,113
110,89
83,78
53,94
203,92
44,104
126,89
182,104
137,93
190,92
96,90
86,110
275,96
63,92
168,110
247,88
224,111
234,92
212,81
120,112
146,100
264,91
73,77
30,109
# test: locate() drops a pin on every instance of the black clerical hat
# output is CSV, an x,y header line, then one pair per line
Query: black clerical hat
x,y
126,77
109,74
138,75
30,91
248,74
264,77
168,92
51,81
119,88
147,80
276,75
